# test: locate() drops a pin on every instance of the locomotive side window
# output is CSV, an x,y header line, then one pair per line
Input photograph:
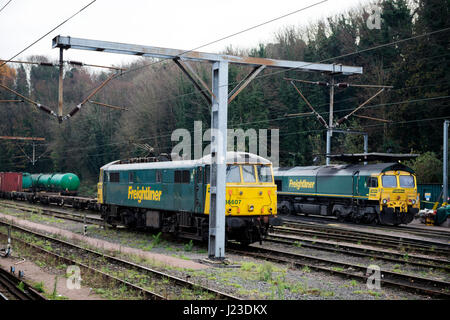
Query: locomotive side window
x,y
186,176
406,181
248,173
182,176
207,173
177,178
264,174
158,176
389,181
233,174
114,177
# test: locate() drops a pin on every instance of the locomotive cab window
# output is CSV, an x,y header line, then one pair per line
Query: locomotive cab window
x,y
248,173
406,181
114,177
389,181
264,174
233,174
373,182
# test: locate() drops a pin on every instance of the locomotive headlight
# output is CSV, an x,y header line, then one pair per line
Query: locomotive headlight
x,y
413,201
251,208
384,201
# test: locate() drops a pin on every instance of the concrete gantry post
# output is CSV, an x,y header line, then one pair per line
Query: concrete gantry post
x,y
445,166
219,117
330,124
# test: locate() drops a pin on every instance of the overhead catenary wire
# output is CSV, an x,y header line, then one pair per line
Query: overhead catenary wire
x,y
5,5
122,73
286,134
360,52
285,70
169,133
318,130
46,34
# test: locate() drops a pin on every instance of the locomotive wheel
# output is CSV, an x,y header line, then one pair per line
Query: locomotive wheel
x,y
339,216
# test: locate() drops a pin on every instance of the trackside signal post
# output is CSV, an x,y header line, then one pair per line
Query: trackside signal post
x,y
445,166
218,98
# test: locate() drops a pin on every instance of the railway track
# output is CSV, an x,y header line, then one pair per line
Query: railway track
x,y
89,218
410,229
165,285
384,255
337,233
425,286
13,288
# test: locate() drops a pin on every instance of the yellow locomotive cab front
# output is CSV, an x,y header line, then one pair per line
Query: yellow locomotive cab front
x,y
250,191
397,196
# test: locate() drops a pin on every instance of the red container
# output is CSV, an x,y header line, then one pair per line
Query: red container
x,y
10,181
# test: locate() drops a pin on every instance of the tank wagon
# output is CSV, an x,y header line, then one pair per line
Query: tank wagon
x,y
55,188
64,183
173,196
383,193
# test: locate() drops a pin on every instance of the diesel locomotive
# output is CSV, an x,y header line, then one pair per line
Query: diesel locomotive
x,y
174,196
384,193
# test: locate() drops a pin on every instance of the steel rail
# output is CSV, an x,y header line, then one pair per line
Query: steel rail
x,y
146,293
429,247
431,287
116,260
11,282
55,213
377,242
363,252
415,230
368,234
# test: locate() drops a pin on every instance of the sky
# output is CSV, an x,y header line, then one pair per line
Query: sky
x,y
177,24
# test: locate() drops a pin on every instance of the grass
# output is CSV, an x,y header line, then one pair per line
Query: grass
x,y
39,287
306,269
265,271
297,244
156,239
188,246
21,286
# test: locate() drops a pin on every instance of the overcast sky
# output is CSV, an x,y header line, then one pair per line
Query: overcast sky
x,y
176,24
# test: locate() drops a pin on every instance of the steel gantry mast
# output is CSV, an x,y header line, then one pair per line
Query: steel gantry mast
x,y
218,97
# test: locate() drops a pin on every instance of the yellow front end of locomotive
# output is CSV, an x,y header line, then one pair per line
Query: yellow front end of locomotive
x,y
397,190
250,191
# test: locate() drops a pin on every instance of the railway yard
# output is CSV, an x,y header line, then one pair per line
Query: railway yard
x,y
224,160
305,258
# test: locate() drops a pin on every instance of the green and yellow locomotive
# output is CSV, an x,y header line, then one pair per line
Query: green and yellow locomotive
x,y
385,192
173,196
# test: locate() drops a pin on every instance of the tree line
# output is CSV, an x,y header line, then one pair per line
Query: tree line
x,y
160,98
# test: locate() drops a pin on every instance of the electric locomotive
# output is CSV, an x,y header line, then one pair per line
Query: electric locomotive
x,y
383,193
174,196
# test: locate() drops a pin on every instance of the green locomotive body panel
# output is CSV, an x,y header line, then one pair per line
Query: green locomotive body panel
x,y
165,188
